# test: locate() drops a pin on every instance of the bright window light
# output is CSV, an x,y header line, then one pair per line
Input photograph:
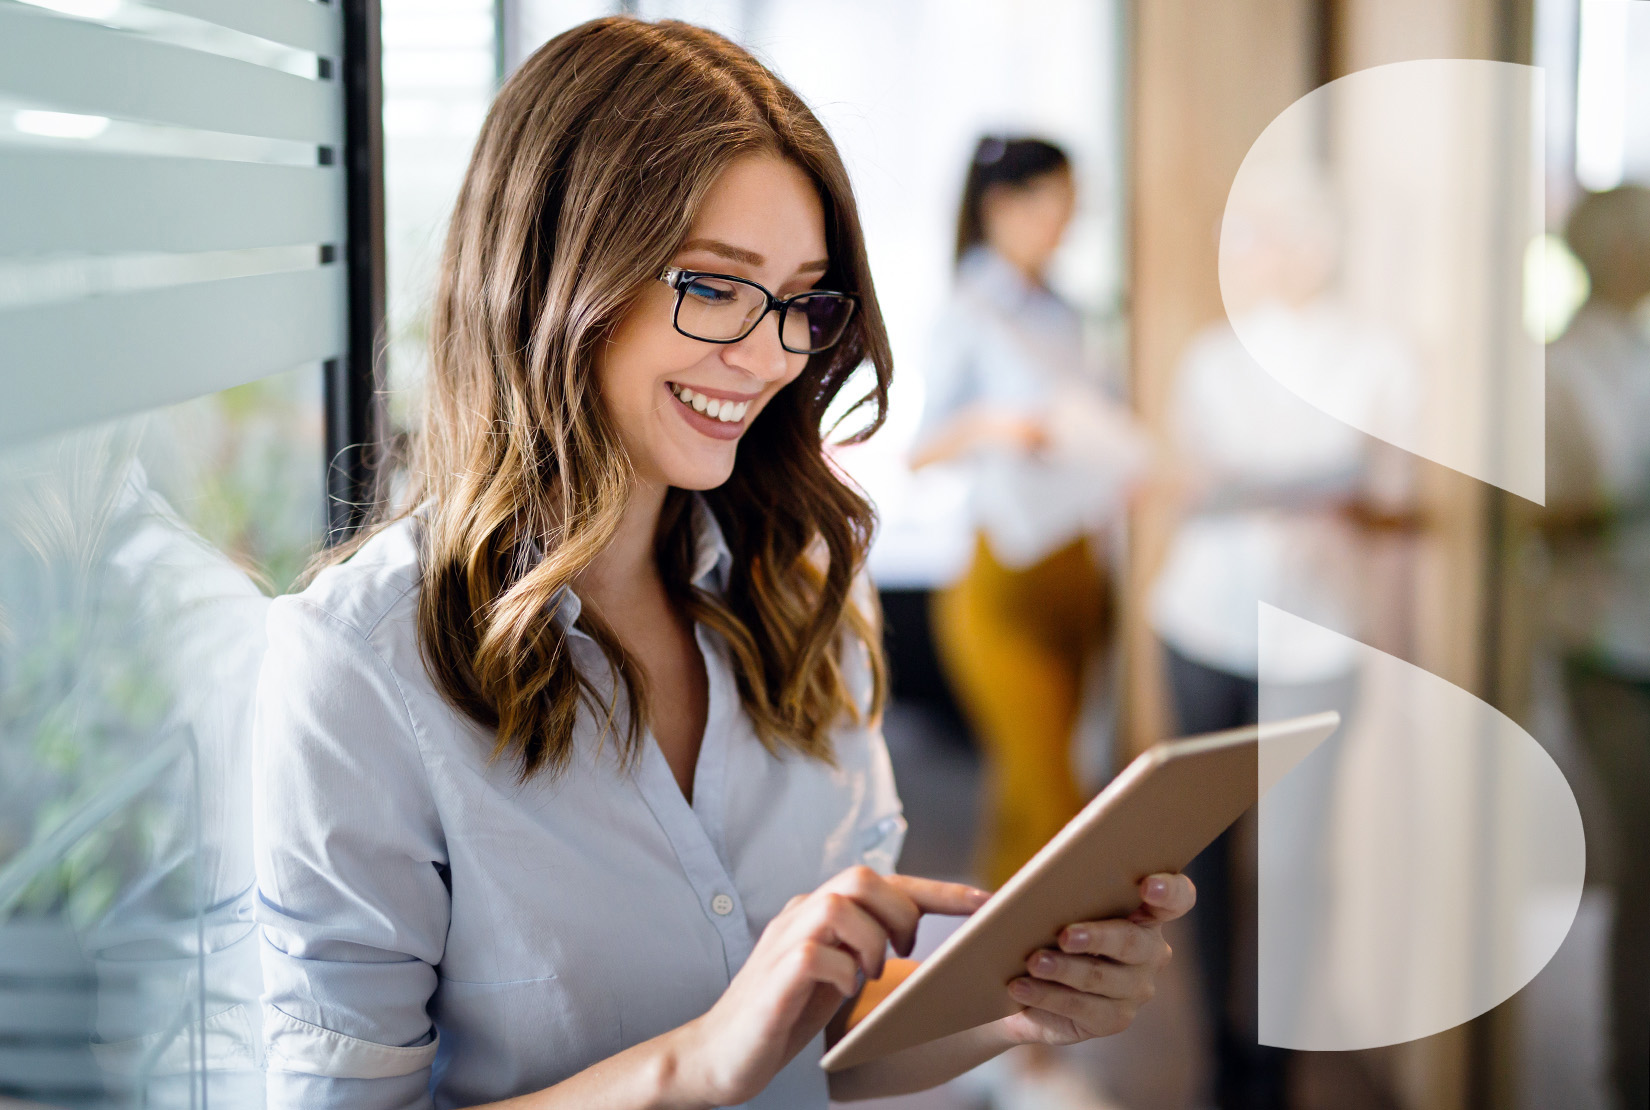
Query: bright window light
x,y
1601,94
81,9
59,125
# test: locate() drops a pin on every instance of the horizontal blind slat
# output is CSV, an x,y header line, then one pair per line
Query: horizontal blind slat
x,y
82,362
85,202
80,67
300,23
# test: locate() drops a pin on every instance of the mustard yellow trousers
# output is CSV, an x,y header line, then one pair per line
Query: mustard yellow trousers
x,y
1014,644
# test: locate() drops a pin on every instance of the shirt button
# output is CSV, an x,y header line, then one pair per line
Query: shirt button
x,y
722,905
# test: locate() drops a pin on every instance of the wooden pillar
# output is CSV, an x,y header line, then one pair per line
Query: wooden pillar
x,y
1207,79
1471,621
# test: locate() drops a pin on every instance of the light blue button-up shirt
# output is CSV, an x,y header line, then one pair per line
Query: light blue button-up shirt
x,y
437,934
1014,348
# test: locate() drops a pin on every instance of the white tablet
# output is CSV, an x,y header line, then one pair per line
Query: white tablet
x,y
1165,808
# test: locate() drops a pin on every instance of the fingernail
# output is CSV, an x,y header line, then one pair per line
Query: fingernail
x,y
1019,988
1157,887
1042,962
981,896
1076,938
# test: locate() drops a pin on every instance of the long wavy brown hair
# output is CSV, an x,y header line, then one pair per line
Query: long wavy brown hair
x,y
586,179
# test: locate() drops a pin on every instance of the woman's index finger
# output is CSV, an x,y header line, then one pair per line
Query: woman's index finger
x,y
935,896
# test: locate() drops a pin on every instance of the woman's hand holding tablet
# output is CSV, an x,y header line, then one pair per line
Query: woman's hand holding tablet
x,y
1100,975
966,998
1102,972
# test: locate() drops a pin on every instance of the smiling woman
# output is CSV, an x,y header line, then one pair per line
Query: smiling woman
x,y
572,788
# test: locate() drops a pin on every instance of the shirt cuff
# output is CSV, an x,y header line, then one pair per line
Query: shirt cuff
x,y
294,1045
879,845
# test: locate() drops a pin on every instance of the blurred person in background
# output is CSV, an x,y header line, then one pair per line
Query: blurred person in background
x,y
1013,397
1598,526
1275,495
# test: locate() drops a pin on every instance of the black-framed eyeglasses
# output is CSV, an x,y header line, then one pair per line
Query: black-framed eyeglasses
x,y
721,308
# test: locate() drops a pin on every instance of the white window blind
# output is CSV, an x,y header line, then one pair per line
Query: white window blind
x,y
172,202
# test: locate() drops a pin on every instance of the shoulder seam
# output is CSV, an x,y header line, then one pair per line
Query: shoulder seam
x,y
396,600
400,692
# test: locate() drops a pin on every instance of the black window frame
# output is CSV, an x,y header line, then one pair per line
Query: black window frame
x,y
353,413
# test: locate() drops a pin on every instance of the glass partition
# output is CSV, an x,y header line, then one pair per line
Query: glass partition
x,y
170,288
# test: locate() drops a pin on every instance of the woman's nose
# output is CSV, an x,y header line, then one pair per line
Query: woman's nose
x,y
760,353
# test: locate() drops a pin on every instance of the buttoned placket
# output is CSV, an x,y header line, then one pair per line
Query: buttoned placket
x,y
695,830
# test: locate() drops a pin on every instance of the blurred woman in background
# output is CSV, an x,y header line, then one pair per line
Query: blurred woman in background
x,y
1011,395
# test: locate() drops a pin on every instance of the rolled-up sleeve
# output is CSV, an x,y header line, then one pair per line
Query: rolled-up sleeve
x,y
353,904
880,837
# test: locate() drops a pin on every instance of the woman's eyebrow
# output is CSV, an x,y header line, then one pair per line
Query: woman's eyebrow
x,y
748,257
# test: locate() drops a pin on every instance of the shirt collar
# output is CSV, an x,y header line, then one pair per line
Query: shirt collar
x,y
565,607
996,277
712,560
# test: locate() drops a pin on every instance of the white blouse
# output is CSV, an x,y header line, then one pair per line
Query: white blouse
x,y
436,933
1016,348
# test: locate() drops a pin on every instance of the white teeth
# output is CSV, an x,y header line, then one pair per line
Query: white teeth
x,y
729,412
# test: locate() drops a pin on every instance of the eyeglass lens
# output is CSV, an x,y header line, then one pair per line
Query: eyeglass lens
x,y
720,310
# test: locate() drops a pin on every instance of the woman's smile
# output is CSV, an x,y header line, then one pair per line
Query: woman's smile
x,y
717,413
